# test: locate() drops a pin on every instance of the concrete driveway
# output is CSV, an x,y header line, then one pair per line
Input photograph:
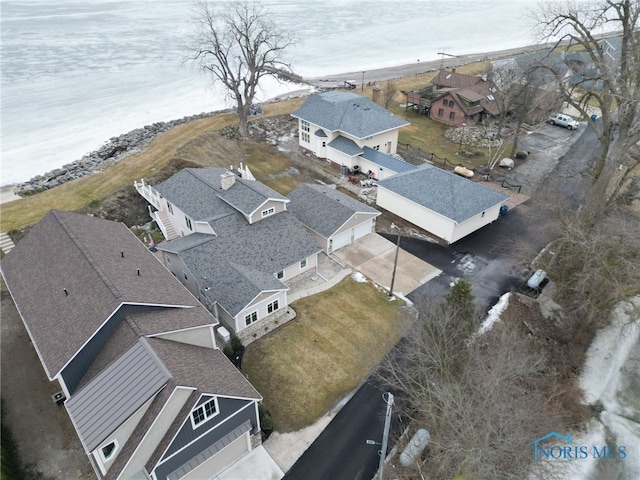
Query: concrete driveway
x,y
374,257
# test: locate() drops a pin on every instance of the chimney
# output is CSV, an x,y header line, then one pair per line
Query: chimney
x,y
227,180
376,94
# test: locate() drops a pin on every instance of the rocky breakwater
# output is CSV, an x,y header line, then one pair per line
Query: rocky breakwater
x,y
115,149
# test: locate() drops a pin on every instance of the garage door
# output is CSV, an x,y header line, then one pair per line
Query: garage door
x,y
361,230
341,240
220,460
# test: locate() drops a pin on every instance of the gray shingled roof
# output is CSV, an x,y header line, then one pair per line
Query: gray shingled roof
x,y
241,260
386,161
349,113
121,389
443,192
323,209
198,192
346,146
82,254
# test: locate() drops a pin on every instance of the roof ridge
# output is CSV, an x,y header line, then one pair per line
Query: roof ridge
x,y
103,276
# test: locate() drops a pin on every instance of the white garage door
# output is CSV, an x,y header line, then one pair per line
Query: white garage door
x,y
361,230
220,460
341,240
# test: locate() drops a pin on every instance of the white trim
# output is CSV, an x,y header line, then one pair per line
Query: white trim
x,y
146,434
115,450
206,418
163,460
168,332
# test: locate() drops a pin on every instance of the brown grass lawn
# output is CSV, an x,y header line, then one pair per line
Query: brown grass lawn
x,y
304,367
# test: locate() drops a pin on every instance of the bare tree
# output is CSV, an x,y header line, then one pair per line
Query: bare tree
x,y
390,90
475,397
613,85
238,46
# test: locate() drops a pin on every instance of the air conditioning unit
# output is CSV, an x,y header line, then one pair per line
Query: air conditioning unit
x,y
58,398
224,335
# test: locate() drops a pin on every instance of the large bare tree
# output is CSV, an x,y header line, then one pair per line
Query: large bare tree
x,y
238,44
613,85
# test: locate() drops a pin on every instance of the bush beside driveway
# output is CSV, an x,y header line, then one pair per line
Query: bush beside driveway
x,y
303,368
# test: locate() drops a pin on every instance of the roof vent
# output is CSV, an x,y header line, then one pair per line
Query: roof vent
x,y
65,291
227,180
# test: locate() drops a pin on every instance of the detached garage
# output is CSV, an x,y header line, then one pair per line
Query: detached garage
x,y
442,203
333,218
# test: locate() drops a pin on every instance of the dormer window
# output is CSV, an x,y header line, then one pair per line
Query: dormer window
x,y
109,451
268,211
204,412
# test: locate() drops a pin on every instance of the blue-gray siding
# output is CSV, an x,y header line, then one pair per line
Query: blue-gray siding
x,y
220,426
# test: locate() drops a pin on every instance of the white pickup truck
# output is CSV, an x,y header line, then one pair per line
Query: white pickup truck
x,y
563,120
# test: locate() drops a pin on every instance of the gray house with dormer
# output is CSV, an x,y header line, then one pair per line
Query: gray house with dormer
x,y
342,127
444,204
146,387
231,241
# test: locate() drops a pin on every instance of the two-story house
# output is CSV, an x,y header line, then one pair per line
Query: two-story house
x,y
350,130
232,242
147,389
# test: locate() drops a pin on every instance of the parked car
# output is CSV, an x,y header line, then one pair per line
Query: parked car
x,y
563,120
350,84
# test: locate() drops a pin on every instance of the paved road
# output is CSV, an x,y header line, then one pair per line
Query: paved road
x,y
341,451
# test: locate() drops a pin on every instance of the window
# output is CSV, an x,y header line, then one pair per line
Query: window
x,y
305,137
251,318
305,126
303,263
109,450
170,208
280,275
452,103
452,115
324,144
268,211
204,412
188,220
377,147
440,112
273,306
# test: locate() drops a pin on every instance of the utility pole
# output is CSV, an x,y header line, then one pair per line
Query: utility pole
x,y
385,435
362,81
395,261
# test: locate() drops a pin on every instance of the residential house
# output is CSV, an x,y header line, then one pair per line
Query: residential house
x,y
440,202
333,218
460,98
147,389
232,242
346,129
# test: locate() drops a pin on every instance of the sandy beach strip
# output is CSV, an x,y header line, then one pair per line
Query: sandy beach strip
x,y
8,194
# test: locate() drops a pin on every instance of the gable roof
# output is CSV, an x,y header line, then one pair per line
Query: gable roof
x,y
443,192
324,209
91,269
471,88
240,261
450,79
349,113
116,393
198,192
386,161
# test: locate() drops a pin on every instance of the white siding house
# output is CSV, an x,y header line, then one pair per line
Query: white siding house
x,y
442,203
339,126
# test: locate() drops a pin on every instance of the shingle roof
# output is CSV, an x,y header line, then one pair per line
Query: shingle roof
x,y
345,145
240,262
121,389
349,113
96,262
198,193
323,209
386,161
443,192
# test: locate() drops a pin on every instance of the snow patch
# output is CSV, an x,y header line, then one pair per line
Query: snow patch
x,y
494,313
359,277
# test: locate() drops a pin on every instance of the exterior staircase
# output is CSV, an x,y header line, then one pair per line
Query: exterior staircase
x,y
6,244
